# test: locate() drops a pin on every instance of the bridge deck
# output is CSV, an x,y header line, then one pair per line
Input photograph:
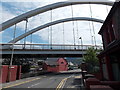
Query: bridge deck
x,y
41,50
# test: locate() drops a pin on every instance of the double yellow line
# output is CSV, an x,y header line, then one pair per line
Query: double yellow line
x,y
61,84
21,83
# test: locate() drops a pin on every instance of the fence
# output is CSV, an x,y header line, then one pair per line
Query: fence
x,y
48,46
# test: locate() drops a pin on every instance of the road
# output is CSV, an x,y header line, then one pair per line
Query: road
x,y
55,81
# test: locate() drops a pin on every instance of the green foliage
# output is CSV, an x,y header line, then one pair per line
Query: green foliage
x,y
91,60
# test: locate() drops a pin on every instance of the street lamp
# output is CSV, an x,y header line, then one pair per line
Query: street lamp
x,y
92,41
81,45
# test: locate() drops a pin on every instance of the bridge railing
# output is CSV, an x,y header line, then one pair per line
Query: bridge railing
x,y
48,46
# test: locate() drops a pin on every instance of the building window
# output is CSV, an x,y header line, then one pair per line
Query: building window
x,y
111,32
107,35
62,62
104,39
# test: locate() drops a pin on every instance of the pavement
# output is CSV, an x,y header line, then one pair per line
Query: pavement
x,y
60,81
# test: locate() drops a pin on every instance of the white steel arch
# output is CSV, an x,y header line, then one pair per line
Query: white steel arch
x,y
34,12
53,23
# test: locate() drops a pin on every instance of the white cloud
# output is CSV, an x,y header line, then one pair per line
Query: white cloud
x,y
100,11
5,15
1,36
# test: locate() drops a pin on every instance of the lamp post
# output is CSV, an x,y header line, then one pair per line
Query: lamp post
x,y
12,54
92,41
81,45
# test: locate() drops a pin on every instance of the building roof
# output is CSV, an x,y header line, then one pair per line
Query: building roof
x,y
51,63
52,59
113,9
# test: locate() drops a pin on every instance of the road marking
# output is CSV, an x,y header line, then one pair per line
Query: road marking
x,y
51,78
78,76
70,87
34,85
61,84
64,83
44,76
21,83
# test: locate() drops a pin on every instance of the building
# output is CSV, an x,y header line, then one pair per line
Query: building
x,y
70,66
55,65
110,57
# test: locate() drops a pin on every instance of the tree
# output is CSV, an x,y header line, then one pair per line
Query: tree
x,y
91,60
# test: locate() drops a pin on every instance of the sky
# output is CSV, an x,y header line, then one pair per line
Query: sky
x,y
82,29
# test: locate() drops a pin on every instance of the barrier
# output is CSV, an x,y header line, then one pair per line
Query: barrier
x,y
19,72
3,73
12,74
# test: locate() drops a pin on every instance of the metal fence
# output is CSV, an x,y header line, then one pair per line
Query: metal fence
x,y
48,46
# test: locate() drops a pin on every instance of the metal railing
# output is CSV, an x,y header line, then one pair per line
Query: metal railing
x,y
48,46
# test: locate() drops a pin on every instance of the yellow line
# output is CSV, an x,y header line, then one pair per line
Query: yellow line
x,y
21,83
61,83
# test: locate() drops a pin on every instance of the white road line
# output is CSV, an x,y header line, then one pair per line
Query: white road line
x,y
79,76
72,87
44,76
68,86
34,85
71,76
51,78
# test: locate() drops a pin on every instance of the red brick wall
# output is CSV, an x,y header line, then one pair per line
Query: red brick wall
x,y
52,69
63,66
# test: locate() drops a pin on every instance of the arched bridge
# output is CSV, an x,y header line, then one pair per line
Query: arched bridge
x,y
48,50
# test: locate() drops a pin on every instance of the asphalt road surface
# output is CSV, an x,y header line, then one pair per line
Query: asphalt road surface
x,y
55,81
